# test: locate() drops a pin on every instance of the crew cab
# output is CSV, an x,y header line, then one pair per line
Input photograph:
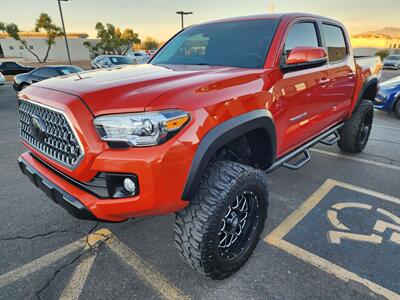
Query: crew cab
x,y
194,131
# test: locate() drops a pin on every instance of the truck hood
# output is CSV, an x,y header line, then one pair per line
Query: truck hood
x,y
132,88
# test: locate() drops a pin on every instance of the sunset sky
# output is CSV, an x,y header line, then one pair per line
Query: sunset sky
x,y
158,18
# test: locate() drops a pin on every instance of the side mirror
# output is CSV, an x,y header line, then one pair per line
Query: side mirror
x,y
304,57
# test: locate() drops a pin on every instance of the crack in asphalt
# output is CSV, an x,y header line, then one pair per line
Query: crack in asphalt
x,y
89,247
39,235
85,251
75,259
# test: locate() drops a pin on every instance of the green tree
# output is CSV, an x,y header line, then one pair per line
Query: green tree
x,y
43,23
382,53
113,40
151,44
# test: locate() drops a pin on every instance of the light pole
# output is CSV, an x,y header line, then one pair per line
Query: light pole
x,y
65,33
181,12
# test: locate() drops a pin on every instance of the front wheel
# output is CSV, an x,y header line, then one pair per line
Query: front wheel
x,y
355,133
218,231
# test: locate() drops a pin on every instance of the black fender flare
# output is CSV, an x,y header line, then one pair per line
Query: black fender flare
x,y
220,136
371,80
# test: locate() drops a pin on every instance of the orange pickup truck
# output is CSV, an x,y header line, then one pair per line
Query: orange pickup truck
x,y
194,131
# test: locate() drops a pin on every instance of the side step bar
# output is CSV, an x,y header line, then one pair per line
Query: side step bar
x,y
300,163
329,138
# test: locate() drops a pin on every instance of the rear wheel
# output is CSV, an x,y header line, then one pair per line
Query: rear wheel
x,y
218,231
397,108
355,133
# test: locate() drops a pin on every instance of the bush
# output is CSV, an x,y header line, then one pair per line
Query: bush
x,y
382,53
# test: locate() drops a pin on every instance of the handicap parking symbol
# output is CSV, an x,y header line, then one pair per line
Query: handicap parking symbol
x,y
351,232
343,232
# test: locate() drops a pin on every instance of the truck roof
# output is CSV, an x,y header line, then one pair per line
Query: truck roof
x,y
269,16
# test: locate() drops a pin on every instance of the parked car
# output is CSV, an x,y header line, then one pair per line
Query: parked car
x,y
2,79
21,81
139,57
108,61
388,97
392,62
194,131
13,68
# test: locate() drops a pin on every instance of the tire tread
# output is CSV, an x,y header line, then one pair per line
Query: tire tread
x,y
349,133
194,223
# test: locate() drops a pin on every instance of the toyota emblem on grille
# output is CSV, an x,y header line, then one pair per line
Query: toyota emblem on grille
x,y
38,128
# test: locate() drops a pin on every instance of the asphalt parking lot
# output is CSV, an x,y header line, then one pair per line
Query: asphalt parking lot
x,y
333,231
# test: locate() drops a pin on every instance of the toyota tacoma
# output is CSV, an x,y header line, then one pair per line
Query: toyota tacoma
x,y
194,131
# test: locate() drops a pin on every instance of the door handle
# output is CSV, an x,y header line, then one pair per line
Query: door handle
x,y
351,75
324,82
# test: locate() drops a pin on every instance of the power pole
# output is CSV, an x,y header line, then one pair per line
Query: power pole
x,y
65,33
182,13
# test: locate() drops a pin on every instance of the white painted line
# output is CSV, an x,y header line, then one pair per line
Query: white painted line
x,y
76,283
384,126
40,263
362,160
154,279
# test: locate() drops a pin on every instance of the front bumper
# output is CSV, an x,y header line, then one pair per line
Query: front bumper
x,y
161,179
59,196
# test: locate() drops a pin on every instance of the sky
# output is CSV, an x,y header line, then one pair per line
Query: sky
x,y
158,19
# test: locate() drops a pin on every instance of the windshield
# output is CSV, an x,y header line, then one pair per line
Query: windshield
x,y
243,44
392,57
120,60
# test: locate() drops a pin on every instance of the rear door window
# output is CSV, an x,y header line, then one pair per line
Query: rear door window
x,y
335,42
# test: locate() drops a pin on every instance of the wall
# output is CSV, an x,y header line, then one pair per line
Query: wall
x,y
369,46
58,51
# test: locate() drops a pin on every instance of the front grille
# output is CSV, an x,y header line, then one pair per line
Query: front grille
x,y
54,137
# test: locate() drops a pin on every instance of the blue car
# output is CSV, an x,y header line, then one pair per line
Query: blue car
x,y
388,97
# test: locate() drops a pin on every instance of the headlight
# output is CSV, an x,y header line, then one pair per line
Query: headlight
x,y
141,129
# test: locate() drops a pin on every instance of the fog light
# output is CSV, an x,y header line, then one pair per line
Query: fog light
x,y
129,186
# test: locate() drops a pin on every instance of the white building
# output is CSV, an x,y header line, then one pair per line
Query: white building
x,y
36,41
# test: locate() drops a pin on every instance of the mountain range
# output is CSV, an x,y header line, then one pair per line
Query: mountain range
x,y
390,31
